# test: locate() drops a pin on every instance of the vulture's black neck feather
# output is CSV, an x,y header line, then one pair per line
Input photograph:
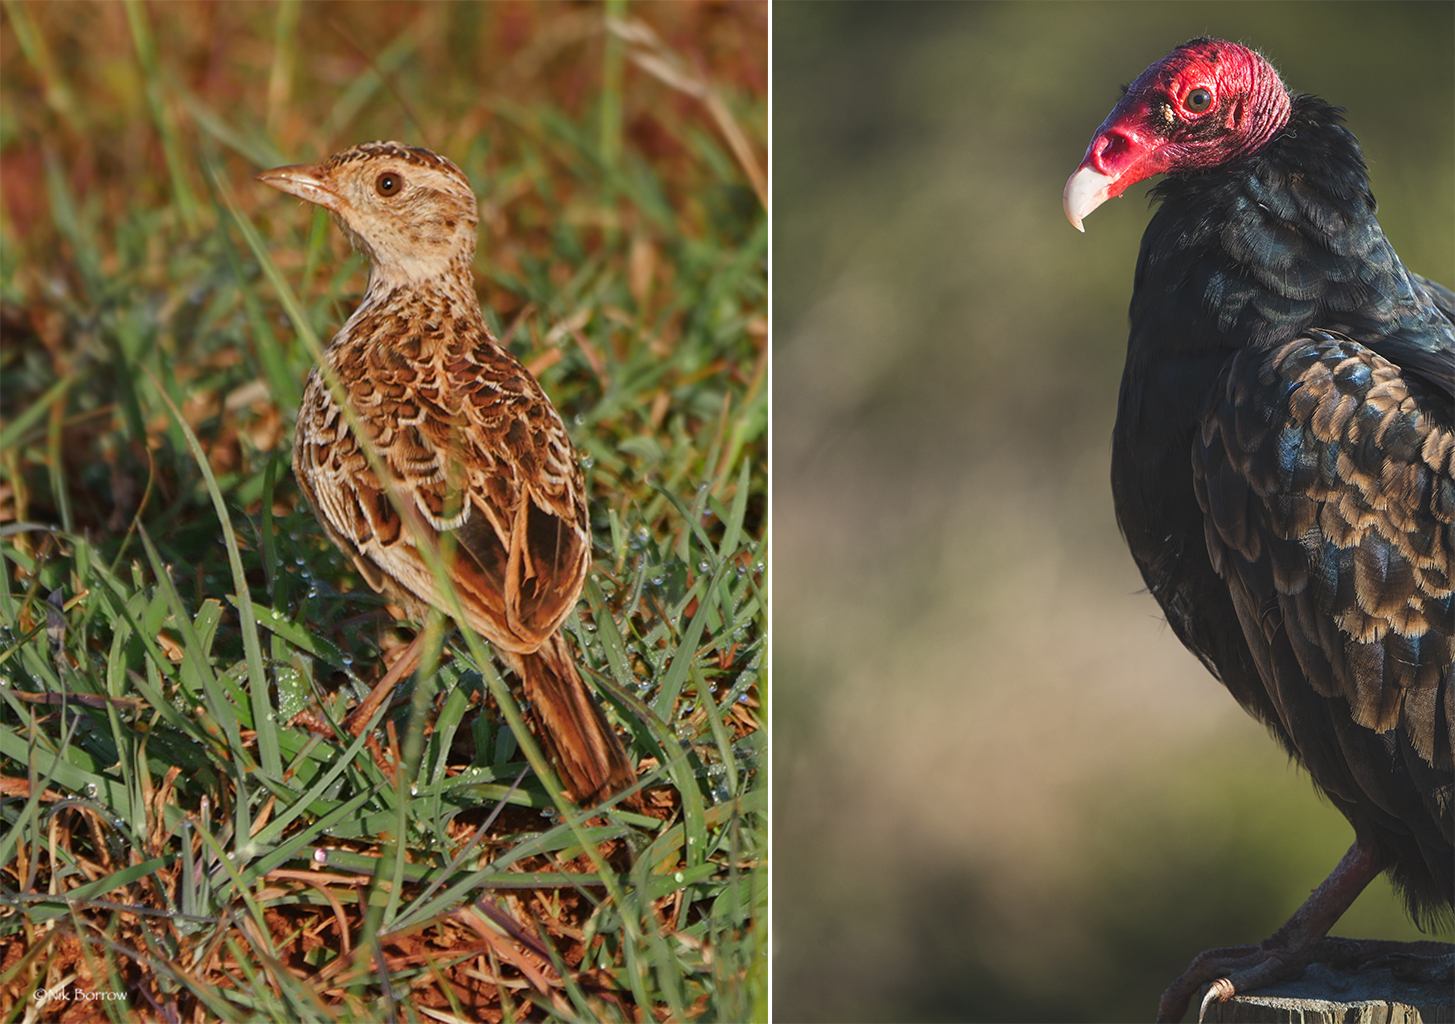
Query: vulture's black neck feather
x,y
1259,250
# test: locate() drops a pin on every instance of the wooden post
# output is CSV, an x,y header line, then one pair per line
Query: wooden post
x,y
1331,995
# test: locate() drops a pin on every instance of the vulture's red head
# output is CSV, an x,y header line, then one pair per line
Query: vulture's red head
x,y
1205,103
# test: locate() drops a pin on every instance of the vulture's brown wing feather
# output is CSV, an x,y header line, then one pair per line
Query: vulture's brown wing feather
x,y
1325,478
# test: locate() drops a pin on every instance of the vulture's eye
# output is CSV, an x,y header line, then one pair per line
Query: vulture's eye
x,y
388,183
1198,100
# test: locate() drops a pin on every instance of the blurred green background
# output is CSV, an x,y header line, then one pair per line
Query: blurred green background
x,y
1003,791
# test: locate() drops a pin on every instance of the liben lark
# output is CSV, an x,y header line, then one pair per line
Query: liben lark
x,y
471,446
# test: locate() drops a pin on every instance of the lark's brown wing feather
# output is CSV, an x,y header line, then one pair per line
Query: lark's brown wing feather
x,y
476,450
1325,476
479,454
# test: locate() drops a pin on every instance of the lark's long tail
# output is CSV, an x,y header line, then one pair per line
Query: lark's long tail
x,y
571,729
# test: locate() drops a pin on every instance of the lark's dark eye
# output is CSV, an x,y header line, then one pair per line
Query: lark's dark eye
x,y
1198,100
389,183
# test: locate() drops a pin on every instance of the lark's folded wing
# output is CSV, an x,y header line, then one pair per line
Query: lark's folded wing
x,y
477,453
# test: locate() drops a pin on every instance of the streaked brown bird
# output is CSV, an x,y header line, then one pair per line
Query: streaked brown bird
x,y
470,447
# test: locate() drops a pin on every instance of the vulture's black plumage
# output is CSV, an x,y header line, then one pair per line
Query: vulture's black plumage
x,y
1282,457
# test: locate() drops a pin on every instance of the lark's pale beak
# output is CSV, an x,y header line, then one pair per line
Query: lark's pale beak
x,y
303,181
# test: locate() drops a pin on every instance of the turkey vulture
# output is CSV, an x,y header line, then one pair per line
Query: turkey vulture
x,y
1282,463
